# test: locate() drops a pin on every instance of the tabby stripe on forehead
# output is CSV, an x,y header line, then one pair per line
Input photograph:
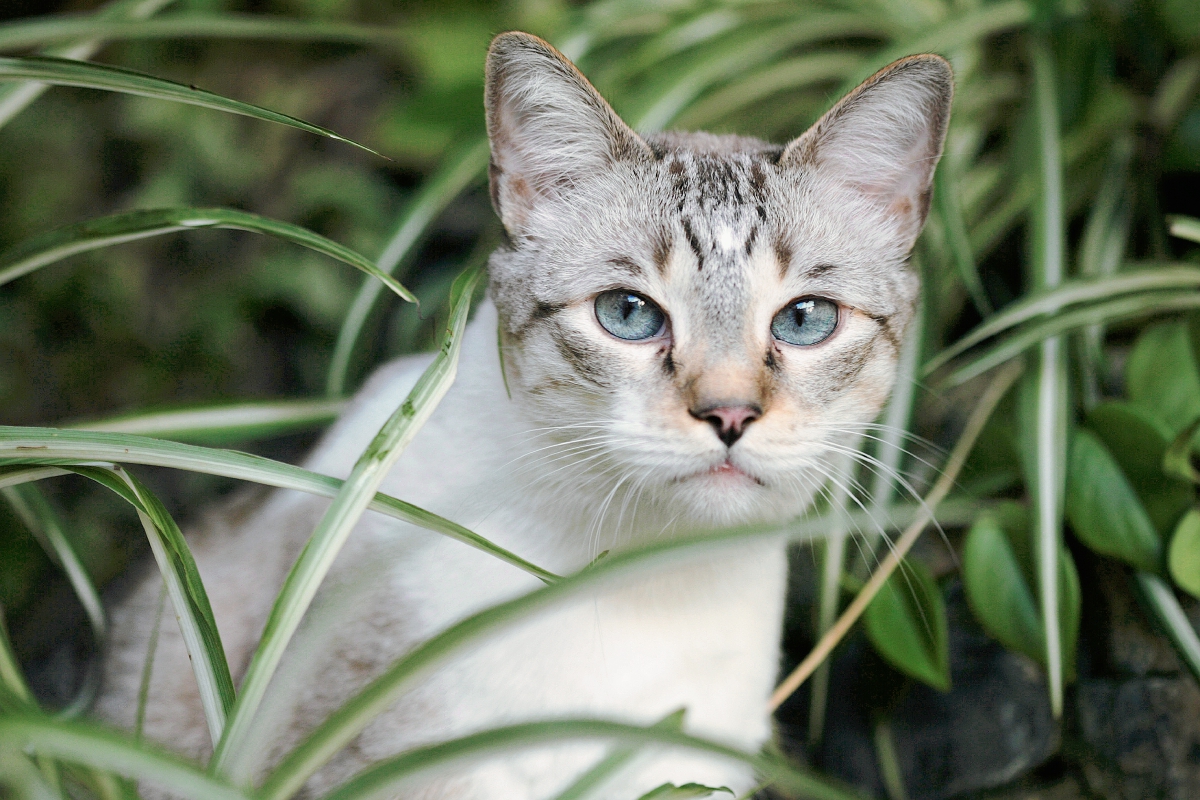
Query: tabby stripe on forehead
x,y
694,243
626,265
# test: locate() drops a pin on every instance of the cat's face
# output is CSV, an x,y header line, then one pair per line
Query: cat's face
x,y
700,322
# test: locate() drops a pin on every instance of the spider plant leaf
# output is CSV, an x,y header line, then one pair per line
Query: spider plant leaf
x,y
14,691
40,519
1139,441
128,226
88,745
222,424
186,590
1115,310
949,211
28,454
1162,375
1171,618
613,763
384,776
457,173
1103,508
906,623
1183,556
351,501
16,97
1085,293
687,791
57,29
88,75
1185,227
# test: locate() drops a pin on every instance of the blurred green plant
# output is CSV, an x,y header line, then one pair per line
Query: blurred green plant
x,y
1076,128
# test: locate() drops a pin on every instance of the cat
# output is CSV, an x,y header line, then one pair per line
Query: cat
x,y
690,324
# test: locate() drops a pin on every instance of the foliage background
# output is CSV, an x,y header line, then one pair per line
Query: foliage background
x,y
208,317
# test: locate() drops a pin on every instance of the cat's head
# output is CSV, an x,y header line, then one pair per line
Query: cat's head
x,y
703,319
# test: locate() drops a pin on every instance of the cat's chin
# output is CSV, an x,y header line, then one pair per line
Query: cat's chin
x,y
731,494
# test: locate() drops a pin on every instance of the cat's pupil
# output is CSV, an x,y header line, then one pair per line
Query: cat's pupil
x,y
629,316
807,321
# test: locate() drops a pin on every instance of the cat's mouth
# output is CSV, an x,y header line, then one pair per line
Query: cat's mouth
x,y
728,472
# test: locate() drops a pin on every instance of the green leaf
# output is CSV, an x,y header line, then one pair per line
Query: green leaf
x,y
1103,508
352,500
1139,440
66,72
1177,460
79,743
131,225
613,763
49,449
1185,228
188,597
41,31
1183,557
669,791
999,576
1161,374
221,424
383,778
1171,619
906,622
456,174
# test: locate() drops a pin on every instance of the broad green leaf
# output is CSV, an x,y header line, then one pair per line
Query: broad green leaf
x,y
188,597
1138,440
1171,618
1183,557
1086,292
1161,374
1177,460
384,777
43,451
687,791
456,174
1103,508
79,743
906,623
999,576
131,225
88,75
42,31
351,501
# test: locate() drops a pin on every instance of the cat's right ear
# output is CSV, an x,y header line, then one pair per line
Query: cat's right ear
x,y
549,128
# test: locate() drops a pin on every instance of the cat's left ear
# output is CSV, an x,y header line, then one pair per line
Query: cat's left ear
x,y
884,139
549,128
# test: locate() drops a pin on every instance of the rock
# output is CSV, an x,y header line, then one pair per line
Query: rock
x,y
1145,734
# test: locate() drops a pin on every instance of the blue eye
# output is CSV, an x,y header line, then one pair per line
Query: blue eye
x,y
807,321
629,316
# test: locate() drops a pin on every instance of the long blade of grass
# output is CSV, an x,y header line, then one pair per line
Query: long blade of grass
x,y
1048,474
958,456
42,31
949,211
386,775
1171,618
1185,227
36,513
343,514
128,226
16,97
88,75
1081,291
611,764
1113,311
14,691
458,173
188,597
222,423
48,449
91,746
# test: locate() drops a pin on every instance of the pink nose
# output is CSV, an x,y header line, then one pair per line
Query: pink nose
x,y
728,421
